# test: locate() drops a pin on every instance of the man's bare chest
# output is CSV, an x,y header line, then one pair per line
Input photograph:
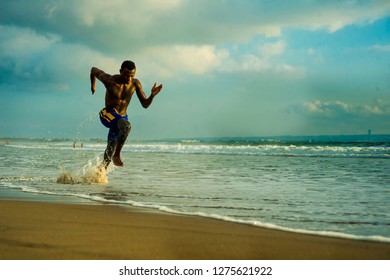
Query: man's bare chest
x,y
120,91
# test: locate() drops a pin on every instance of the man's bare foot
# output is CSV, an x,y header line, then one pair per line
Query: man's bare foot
x,y
117,161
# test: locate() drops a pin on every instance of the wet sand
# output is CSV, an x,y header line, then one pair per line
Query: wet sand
x,y
57,231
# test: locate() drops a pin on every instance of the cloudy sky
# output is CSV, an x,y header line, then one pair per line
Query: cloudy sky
x,y
229,67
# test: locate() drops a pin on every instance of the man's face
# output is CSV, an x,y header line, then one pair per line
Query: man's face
x,y
127,75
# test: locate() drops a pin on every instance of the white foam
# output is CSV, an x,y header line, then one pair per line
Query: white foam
x,y
266,149
196,147
91,173
272,226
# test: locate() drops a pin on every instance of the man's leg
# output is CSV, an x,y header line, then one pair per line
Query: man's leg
x,y
109,152
124,130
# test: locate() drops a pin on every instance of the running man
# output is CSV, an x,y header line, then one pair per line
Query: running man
x,y
119,90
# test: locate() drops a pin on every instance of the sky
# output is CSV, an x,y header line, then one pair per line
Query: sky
x,y
229,68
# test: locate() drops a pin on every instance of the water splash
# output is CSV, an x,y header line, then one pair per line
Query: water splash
x,y
91,173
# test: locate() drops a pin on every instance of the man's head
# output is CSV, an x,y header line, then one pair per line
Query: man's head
x,y
127,64
127,71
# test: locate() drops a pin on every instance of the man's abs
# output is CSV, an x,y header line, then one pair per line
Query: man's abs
x,y
119,104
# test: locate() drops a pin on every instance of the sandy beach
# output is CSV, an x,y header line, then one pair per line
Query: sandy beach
x,y
56,231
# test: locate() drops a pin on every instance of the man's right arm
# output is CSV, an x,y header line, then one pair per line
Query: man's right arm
x,y
97,73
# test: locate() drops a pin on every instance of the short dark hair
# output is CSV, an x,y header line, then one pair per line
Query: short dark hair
x,y
127,64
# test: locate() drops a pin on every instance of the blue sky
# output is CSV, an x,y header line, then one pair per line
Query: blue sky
x,y
229,67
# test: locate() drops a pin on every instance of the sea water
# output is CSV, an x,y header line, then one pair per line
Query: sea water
x,y
336,186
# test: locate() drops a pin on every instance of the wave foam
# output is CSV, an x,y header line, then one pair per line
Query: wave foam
x,y
91,173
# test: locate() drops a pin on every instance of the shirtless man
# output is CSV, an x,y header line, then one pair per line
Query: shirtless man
x,y
119,90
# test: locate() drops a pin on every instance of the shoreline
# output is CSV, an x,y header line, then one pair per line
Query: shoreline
x,y
18,195
70,228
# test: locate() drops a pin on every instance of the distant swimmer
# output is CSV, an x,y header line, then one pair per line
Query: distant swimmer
x,y
119,90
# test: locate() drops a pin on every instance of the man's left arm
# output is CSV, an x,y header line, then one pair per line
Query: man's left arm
x,y
146,101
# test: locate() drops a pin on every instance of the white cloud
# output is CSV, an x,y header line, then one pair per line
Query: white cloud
x,y
24,41
339,108
51,8
334,16
48,57
255,63
177,59
272,49
290,71
317,57
269,30
120,13
198,59
171,61
120,25
245,63
327,108
24,54
310,51
381,48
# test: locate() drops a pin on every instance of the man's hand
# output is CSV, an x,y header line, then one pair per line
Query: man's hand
x,y
156,89
93,89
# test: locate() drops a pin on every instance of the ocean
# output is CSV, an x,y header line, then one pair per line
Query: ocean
x,y
328,185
